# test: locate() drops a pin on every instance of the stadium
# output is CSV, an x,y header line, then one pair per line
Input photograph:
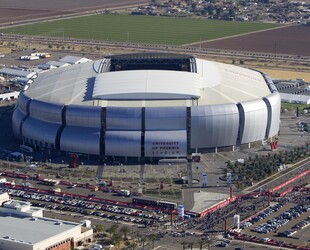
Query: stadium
x,y
147,106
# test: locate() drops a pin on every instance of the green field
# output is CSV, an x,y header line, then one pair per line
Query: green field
x,y
139,29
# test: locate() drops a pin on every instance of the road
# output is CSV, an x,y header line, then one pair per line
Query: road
x,y
275,181
158,48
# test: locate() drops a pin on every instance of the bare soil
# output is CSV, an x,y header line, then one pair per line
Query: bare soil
x,y
12,11
293,40
286,74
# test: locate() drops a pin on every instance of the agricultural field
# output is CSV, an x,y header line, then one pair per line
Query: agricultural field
x,y
293,40
16,10
139,29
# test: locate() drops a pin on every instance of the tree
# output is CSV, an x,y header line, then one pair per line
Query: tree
x,y
155,2
112,230
190,245
124,230
219,10
210,9
201,243
143,240
132,245
153,237
116,239
208,243
98,228
184,243
231,12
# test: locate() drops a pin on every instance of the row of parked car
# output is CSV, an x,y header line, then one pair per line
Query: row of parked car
x,y
298,226
281,220
87,207
301,224
268,211
113,217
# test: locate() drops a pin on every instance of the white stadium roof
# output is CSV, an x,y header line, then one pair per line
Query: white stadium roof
x,y
147,85
214,83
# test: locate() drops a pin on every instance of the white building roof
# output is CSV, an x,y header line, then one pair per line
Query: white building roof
x,y
147,85
45,66
292,98
31,230
17,72
57,64
74,59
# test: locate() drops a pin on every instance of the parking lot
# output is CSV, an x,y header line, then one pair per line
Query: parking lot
x,y
283,223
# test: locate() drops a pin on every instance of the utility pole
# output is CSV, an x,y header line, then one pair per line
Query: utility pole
x,y
190,173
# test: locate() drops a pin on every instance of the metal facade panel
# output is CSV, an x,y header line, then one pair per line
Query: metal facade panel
x,y
80,140
119,118
123,143
46,112
84,116
165,118
165,143
17,118
255,121
41,131
274,105
22,101
214,126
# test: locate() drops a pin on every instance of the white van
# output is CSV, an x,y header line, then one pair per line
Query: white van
x,y
124,192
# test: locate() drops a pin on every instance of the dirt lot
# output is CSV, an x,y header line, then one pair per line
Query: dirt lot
x,y
292,40
285,74
15,10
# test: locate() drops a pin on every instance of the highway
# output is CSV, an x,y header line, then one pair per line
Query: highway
x,y
277,179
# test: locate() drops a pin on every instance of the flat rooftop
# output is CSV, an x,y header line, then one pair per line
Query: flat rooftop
x,y
31,230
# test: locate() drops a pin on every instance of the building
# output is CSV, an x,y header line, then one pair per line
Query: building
x,y
148,106
9,96
52,65
17,73
74,60
23,227
293,98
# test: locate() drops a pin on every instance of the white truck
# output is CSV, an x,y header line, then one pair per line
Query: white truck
x,y
3,180
124,192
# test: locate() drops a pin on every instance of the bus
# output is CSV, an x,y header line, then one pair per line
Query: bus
x,y
49,182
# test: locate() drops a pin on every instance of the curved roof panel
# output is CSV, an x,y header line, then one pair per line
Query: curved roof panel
x,y
147,85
